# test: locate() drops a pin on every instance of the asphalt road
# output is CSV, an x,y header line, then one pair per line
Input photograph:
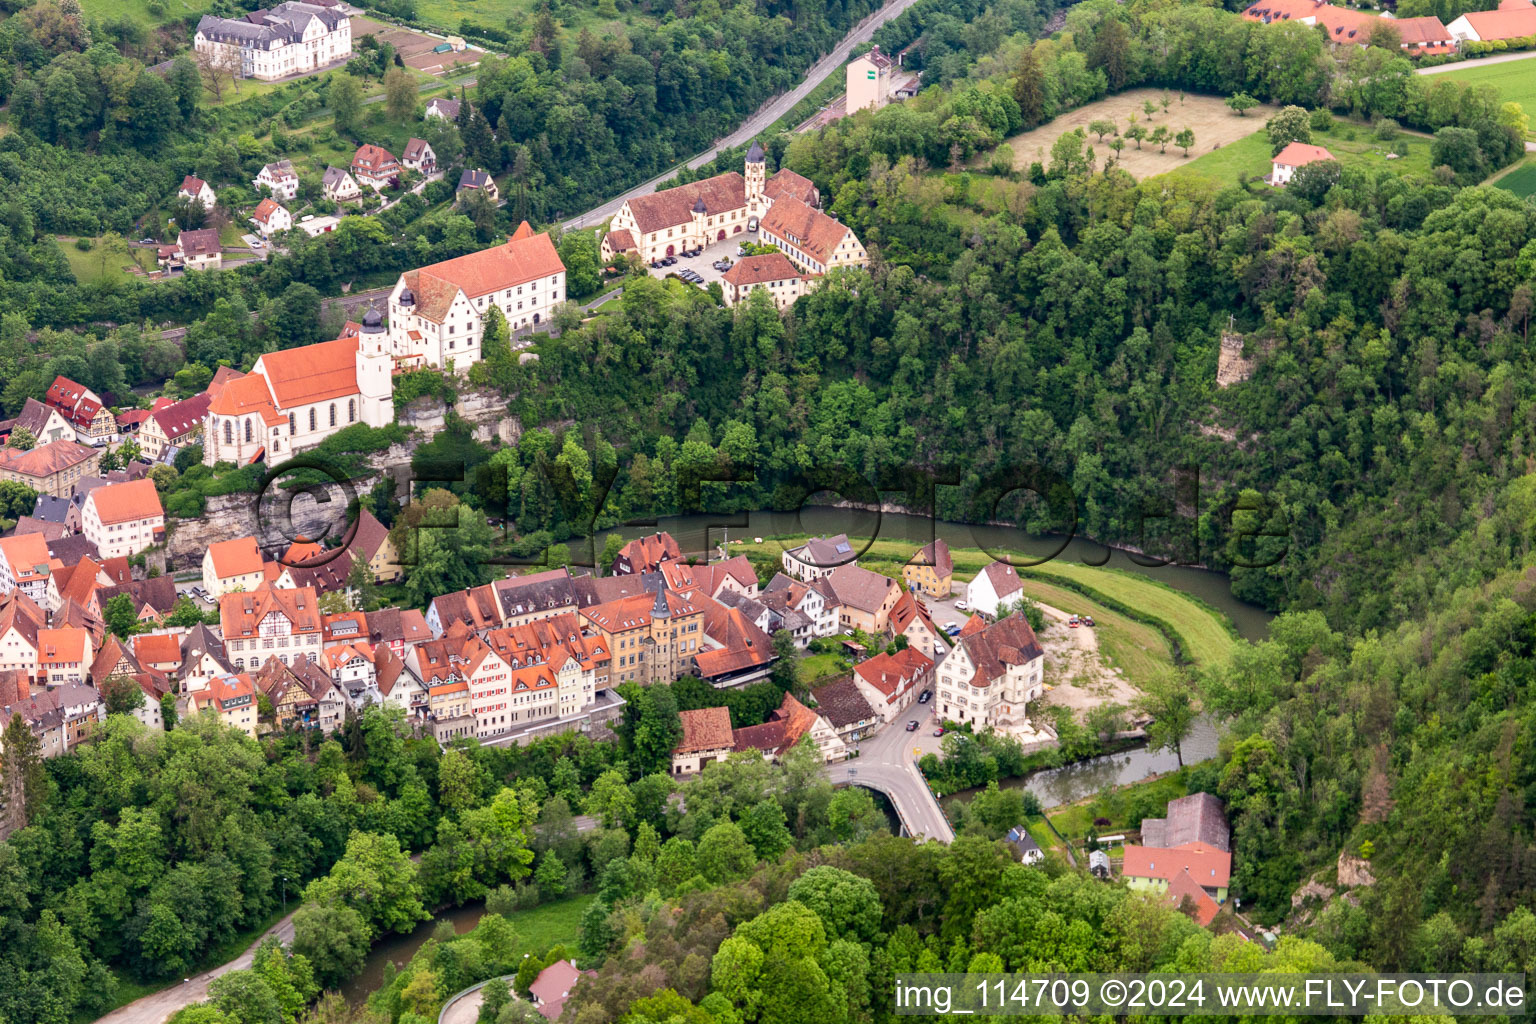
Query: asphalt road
x,y
766,115
1503,58
887,762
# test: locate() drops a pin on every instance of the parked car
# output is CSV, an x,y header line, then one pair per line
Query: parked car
x,y
925,697
962,606
1072,623
939,731
1086,620
952,628
912,726
667,261
146,241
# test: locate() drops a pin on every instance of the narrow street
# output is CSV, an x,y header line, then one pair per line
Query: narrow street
x,y
887,762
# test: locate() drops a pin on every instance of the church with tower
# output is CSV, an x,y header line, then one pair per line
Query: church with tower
x,y
296,398
703,212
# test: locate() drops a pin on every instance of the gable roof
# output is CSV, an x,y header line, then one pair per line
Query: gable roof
x,y
78,403
1427,29
704,729
34,416
824,552
126,503
474,178
183,417
775,266
857,587
237,557
908,610
158,593
1208,867
671,207
450,108
240,615
27,555
935,554
1004,579
201,242
279,170
893,674
1196,818
1299,154
517,261
67,646
265,209
842,703
157,649
415,148
1204,909
813,231
192,185
335,176
311,373
375,161
742,644
785,183
790,721
646,554
540,591
1005,643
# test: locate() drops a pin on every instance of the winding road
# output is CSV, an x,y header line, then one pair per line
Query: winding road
x,y
886,762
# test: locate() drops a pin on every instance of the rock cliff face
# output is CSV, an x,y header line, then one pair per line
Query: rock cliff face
x,y
485,412
1232,367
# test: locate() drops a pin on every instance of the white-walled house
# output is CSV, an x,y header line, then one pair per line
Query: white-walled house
x,y
990,677
195,189
1294,156
997,584
338,185
279,41
123,519
436,313
271,218
280,179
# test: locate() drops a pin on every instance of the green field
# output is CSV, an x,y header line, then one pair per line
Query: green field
x,y
816,667
1135,648
550,924
138,10
94,266
1120,805
1515,80
1250,157
1521,179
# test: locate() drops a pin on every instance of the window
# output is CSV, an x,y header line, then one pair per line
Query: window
x,y
229,432
333,414
351,410
311,418
248,432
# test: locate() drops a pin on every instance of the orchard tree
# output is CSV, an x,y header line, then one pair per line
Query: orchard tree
x,y
1184,140
1101,127
1241,103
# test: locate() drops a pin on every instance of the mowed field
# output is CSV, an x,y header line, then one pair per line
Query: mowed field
x,y
138,10
1521,180
1252,156
1515,80
1212,121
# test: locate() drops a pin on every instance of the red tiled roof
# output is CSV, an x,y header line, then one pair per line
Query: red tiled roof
x,y
1204,909
1006,642
62,646
241,614
46,459
242,394
157,649
192,185
1208,866
179,420
313,373
377,161
238,557
265,209
645,554
126,503
415,149
786,182
813,231
1504,23
620,241
1299,154
77,402
202,242
704,729
1428,29
523,258
27,555
757,269
893,674
937,555
671,207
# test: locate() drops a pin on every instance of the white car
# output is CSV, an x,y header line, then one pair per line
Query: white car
x,y
961,606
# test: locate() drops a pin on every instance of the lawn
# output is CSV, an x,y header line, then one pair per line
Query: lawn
x,y
1519,179
1515,80
95,266
816,667
138,10
1124,806
1135,648
550,924
1250,157
1213,123
1204,633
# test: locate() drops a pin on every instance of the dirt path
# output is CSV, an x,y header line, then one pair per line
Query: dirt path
x,y
1080,678
157,1006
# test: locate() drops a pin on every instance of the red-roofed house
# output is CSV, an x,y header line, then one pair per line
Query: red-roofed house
x,y
785,727
891,682
706,738
64,656
1151,870
553,985
195,190
92,421
1512,20
1293,156
24,565
910,619
232,565
271,217
267,622
1201,907
931,571
992,675
159,652
772,273
436,312
177,424
123,519
232,699
813,241
375,167
646,554
418,156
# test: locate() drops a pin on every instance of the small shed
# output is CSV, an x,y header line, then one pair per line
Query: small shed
x,y
442,48
856,650
1098,864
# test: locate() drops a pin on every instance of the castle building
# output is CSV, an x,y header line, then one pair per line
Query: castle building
x,y
436,313
288,39
296,398
702,212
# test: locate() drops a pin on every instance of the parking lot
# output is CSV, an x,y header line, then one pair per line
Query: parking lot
x,y
703,264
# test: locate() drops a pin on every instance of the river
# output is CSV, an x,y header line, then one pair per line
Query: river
x,y
1056,786
695,533
400,949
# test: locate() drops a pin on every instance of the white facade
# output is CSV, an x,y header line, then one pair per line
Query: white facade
x,y
994,585
280,179
119,540
274,220
292,39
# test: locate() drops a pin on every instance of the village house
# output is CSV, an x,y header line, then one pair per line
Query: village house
x,y
702,212
280,179
278,42
991,676
817,557
43,422
813,601
874,79
418,156
21,619
202,658
231,698
931,571
192,250
153,599
910,619
195,190
474,180
735,575
370,542
447,110
540,595
375,167
813,241
847,710
785,727
646,554
231,566
295,398
24,566
706,738
772,273
270,621
80,583
1345,26
891,682
271,218
338,186
64,656
553,986
1294,156
123,519
314,226
864,598
92,421
1024,846
996,586
436,313
734,651
303,695
175,425
158,652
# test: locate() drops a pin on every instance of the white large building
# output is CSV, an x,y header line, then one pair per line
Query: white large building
x,y
702,212
296,398
990,677
436,313
288,39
